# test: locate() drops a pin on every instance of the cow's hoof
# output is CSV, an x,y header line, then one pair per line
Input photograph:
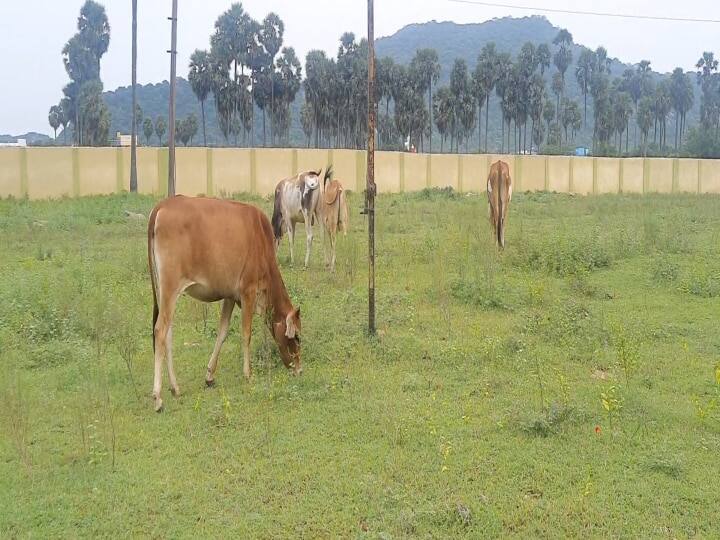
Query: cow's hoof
x,y
210,383
158,405
175,391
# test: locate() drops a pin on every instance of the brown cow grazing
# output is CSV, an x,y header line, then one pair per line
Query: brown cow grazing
x,y
499,190
216,250
334,213
296,201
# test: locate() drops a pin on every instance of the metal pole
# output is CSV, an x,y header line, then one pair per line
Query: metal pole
x,y
171,122
370,187
133,135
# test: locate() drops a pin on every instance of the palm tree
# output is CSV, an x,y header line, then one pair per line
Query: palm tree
x,y
427,68
707,78
133,135
160,128
682,99
200,79
148,129
548,113
543,57
563,56
645,119
503,84
271,38
306,121
557,88
536,98
583,72
54,119
662,104
443,113
460,90
489,63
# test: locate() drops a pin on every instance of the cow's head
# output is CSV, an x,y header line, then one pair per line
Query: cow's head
x,y
287,336
312,180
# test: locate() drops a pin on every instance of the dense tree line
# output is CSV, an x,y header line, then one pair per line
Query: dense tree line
x,y
247,71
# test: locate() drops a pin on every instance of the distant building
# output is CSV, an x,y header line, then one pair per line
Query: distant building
x,y
582,151
18,142
122,140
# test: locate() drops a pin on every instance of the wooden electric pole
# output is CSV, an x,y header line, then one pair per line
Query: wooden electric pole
x,y
133,135
171,116
370,187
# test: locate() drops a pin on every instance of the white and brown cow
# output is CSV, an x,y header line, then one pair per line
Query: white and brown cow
x,y
216,250
334,214
499,190
296,201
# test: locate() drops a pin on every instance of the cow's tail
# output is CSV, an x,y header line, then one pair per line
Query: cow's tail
x,y
500,206
151,266
328,175
277,216
343,220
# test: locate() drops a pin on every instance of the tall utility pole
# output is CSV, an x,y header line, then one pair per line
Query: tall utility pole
x,y
171,116
370,187
133,136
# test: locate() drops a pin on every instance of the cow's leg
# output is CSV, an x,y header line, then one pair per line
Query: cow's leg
x,y
248,309
309,230
291,239
162,333
333,241
225,315
174,388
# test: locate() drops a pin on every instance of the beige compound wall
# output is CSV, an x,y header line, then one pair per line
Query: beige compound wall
x,y
40,173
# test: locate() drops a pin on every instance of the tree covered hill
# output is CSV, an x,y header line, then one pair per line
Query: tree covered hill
x,y
449,39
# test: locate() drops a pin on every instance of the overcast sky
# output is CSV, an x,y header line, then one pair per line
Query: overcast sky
x,y
33,32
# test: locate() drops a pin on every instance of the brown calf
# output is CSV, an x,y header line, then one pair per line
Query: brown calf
x,y
499,190
334,212
216,250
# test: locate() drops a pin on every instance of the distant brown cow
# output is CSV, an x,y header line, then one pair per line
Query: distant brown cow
x,y
499,190
334,213
216,250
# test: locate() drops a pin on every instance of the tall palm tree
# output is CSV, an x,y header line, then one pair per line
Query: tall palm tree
x,y
503,85
681,92
54,117
200,79
583,72
543,57
271,38
426,65
133,135
707,78
563,56
645,120
489,63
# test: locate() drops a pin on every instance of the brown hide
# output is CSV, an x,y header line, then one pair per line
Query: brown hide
x,y
499,189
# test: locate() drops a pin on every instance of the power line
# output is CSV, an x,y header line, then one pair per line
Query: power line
x,y
593,13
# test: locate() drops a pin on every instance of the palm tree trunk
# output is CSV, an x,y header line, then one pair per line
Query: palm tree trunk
x,y
479,124
133,135
430,111
502,136
202,113
487,114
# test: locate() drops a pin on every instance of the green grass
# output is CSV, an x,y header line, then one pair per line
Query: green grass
x,y
479,410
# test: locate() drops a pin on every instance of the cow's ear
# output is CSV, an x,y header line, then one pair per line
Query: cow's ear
x,y
290,329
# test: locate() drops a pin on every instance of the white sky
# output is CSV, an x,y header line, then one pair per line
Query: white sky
x,y
33,32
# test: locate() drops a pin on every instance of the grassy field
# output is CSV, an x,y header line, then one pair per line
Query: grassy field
x,y
567,387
